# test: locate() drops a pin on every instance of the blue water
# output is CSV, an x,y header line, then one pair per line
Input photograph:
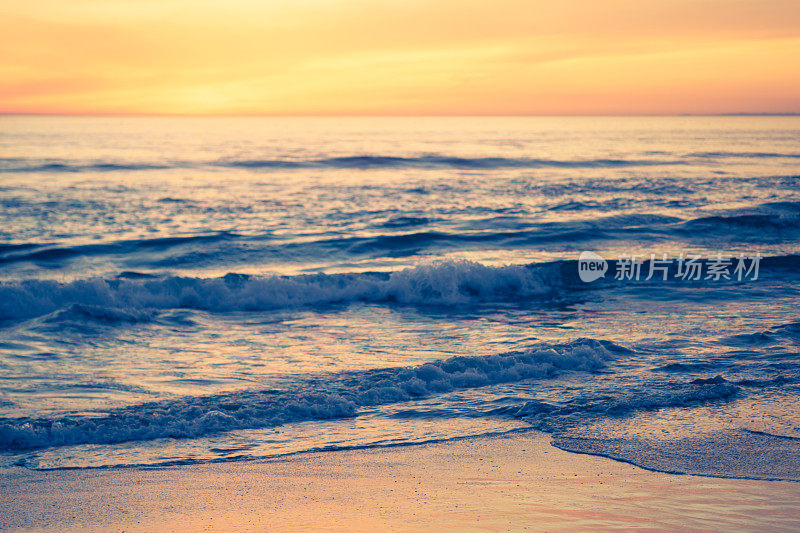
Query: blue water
x,y
177,290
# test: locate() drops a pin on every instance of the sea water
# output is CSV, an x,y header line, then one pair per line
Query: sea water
x,y
178,290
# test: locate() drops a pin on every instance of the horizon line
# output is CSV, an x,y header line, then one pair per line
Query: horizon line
x,y
401,115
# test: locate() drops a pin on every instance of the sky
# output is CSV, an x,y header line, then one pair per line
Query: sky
x,y
399,57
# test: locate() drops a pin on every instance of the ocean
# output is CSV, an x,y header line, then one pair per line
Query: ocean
x,y
188,290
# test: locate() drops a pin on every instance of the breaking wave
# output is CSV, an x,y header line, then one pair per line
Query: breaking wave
x,y
135,297
327,397
438,283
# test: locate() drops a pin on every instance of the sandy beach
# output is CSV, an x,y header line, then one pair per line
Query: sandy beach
x,y
376,266
516,482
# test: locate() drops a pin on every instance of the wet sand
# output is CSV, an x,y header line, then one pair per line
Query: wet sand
x,y
517,482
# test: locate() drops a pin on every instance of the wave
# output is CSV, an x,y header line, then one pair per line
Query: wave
x,y
178,251
728,454
326,397
445,283
373,161
407,236
431,161
554,418
17,164
767,216
763,383
770,336
746,155
405,221
769,434
756,222
47,252
442,161
95,313
691,366
131,296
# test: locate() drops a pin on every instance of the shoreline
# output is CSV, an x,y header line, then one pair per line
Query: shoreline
x,y
513,481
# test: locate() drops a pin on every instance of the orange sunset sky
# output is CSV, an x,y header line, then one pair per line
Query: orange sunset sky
x,y
389,57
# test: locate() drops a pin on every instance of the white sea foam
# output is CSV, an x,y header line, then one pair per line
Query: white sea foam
x,y
334,397
439,283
